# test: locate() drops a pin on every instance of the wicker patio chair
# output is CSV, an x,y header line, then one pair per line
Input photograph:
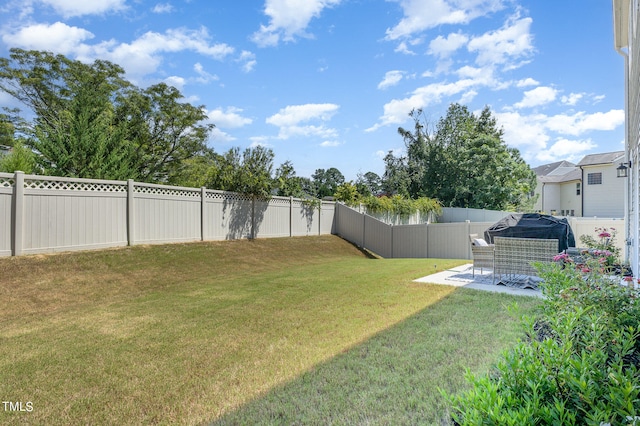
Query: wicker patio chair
x,y
514,256
482,255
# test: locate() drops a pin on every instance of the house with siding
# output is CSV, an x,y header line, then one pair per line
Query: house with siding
x,y
558,189
589,188
602,190
626,32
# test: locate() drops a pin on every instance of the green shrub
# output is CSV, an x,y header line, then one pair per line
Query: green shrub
x,y
578,364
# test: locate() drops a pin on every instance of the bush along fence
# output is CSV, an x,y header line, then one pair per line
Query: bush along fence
x,y
47,214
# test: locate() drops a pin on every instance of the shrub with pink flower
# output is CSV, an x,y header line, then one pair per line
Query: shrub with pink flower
x,y
603,248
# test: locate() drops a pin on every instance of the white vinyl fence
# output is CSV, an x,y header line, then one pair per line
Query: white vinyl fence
x,y
47,214
439,240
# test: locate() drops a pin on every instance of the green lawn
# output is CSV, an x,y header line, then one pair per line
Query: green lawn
x,y
292,330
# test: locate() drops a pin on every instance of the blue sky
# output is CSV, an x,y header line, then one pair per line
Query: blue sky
x,y
327,83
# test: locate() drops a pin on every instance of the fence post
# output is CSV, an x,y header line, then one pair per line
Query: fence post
x,y
291,216
320,218
130,212
253,217
468,226
203,199
18,213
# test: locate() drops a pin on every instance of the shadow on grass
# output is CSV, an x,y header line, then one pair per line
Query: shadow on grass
x,y
395,377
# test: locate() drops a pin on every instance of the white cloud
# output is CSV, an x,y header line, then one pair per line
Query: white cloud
x,y
565,149
527,133
289,19
572,98
527,82
582,122
391,78
228,118
539,96
295,114
531,133
291,118
70,8
513,41
175,81
163,8
140,57
330,144
396,111
248,60
403,48
421,15
218,136
203,76
444,47
57,37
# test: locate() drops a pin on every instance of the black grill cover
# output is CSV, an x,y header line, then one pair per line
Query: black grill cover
x,y
533,225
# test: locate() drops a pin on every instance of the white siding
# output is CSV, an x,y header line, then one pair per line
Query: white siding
x,y
605,199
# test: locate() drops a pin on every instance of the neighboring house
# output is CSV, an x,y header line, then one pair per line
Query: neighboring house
x,y
602,190
626,32
559,189
589,188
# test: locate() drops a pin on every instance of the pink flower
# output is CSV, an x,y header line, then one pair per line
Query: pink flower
x,y
560,256
628,279
585,270
604,234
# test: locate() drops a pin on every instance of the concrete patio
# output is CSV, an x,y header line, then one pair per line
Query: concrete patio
x,y
462,276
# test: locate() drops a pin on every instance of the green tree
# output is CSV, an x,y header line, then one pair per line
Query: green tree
x,y
326,182
21,159
286,181
464,162
368,184
396,179
91,122
248,173
164,130
348,193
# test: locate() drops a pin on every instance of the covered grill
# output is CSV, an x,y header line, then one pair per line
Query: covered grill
x,y
533,225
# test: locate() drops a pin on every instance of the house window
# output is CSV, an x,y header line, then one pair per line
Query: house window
x,y
578,188
594,179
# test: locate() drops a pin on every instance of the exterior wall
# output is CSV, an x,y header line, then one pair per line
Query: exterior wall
x,y
551,198
606,199
537,192
558,198
48,214
570,200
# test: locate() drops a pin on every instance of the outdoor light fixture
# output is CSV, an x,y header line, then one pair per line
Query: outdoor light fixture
x,y
622,169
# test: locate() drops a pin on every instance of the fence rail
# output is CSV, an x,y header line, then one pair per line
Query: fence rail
x,y
47,214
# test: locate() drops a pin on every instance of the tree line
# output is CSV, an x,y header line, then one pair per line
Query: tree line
x,y
86,120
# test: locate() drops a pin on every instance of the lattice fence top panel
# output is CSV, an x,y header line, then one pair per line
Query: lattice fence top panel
x,y
161,190
226,196
62,185
280,201
7,182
